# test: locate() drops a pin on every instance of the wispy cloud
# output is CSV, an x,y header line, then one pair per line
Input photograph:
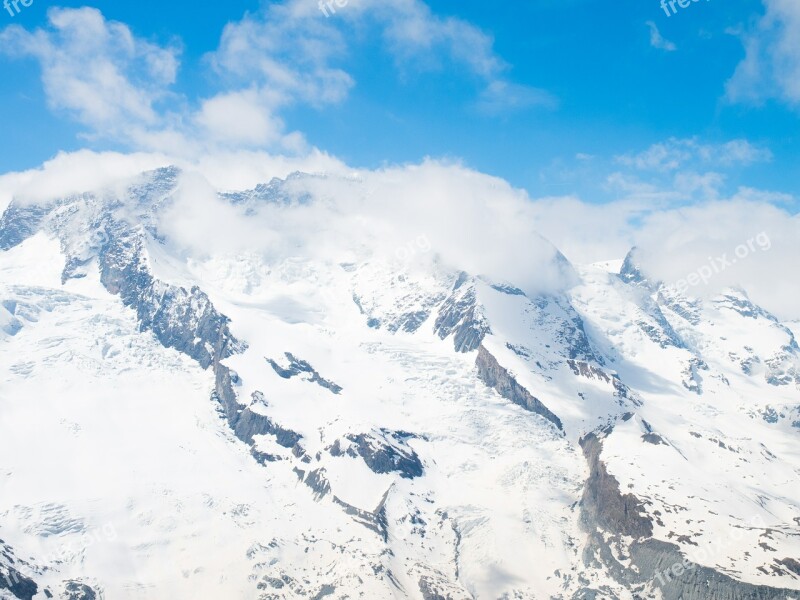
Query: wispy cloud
x,y
771,66
97,70
657,40
120,86
289,50
502,97
676,153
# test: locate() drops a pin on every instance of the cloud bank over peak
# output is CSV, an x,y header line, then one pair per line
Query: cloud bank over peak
x,y
450,214
445,213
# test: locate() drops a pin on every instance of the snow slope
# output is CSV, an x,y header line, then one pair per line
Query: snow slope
x,y
216,420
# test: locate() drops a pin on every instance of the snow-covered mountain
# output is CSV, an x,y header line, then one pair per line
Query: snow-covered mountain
x,y
256,420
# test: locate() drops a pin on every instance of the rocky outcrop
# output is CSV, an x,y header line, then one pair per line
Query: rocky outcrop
x,y
609,516
440,588
692,379
11,579
245,421
462,317
298,366
182,319
499,379
631,271
250,424
556,314
17,584
75,590
383,451
603,505
19,222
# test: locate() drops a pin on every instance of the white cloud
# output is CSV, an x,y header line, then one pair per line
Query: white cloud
x,y
674,241
241,118
414,32
238,169
287,53
97,70
74,173
471,221
657,40
118,84
291,50
771,66
767,239
119,87
77,172
677,153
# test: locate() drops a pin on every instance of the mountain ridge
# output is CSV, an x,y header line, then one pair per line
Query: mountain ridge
x,y
597,376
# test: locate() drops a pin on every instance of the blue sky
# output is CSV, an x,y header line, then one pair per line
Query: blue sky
x,y
599,99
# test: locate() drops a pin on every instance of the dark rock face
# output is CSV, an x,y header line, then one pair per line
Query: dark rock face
x,y
660,331
508,289
375,520
500,380
244,421
584,369
603,505
224,380
410,310
75,590
678,579
410,322
318,482
693,380
589,371
298,366
745,308
383,451
689,310
784,368
20,222
570,329
11,580
792,564
631,271
17,584
656,564
181,319
655,325
460,317
185,320
251,423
